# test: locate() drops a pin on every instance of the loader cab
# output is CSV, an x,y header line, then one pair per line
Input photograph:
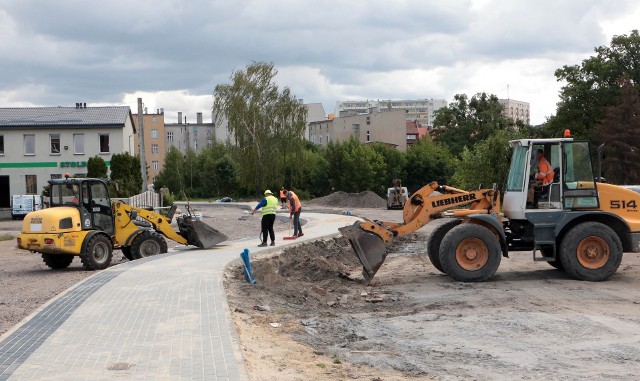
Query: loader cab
x,y
90,197
570,186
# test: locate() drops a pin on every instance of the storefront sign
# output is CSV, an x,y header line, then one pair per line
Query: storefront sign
x,y
73,164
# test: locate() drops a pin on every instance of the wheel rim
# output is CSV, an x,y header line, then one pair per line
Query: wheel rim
x,y
593,252
149,248
100,252
472,254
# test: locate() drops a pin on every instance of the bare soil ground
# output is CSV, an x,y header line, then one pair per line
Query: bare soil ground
x,y
26,282
412,322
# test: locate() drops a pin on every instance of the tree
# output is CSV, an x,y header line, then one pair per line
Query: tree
x,y
267,124
172,174
393,160
316,173
620,129
96,167
466,121
427,161
594,85
487,162
125,172
355,167
224,170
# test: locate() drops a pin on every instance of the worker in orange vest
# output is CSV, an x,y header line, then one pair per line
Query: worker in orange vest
x,y
295,207
283,198
545,173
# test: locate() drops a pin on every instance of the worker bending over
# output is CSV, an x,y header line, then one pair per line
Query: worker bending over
x,y
269,205
295,207
283,198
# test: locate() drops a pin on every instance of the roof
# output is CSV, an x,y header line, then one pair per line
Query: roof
x,y
412,128
64,116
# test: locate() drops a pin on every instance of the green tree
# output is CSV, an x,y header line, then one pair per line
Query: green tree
x,y
355,167
172,174
487,162
427,161
267,124
316,173
96,167
594,85
126,177
466,121
393,160
620,129
225,173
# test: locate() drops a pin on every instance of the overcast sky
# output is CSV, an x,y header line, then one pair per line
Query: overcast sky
x,y
172,52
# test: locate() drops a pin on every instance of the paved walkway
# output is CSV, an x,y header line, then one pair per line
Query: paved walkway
x,y
164,317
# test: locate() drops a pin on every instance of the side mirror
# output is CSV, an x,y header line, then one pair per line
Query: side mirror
x,y
133,215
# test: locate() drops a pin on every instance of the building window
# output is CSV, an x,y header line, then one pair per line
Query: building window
x,y
154,134
54,143
55,176
154,164
1,144
195,144
104,143
195,130
154,148
209,143
209,131
29,144
78,144
170,136
368,136
32,184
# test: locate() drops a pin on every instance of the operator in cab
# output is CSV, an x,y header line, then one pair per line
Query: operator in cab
x,y
545,172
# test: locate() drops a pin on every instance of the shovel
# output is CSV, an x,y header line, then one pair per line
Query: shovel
x,y
289,237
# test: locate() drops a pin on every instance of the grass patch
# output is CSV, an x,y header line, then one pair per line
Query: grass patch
x,y
6,237
321,365
281,311
336,360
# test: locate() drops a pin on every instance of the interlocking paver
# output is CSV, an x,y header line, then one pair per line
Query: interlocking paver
x,y
164,317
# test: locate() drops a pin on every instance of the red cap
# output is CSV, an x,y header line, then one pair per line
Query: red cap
x,y
567,133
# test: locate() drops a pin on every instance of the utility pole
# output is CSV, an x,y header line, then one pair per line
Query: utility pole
x,y
143,162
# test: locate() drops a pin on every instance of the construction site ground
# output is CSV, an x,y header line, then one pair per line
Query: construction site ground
x,y
306,321
310,317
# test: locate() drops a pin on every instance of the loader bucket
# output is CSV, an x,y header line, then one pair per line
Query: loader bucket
x,y
198,233
369,247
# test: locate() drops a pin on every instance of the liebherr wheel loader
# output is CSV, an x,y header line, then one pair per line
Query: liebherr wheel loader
x,y
574,223
83,221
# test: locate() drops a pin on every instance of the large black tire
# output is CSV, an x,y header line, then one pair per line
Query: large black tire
x,y
148,244
435,239
549,253
470,253
591,251
98,253
126,251
57,261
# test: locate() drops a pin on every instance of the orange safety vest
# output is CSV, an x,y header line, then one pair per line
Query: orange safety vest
x,y
296,201
545,172
282,194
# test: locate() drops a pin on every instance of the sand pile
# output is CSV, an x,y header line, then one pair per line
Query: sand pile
x,y
366,199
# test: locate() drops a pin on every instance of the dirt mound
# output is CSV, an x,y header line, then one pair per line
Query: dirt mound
x,y
366,199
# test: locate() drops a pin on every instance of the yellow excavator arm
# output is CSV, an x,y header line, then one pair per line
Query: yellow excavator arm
x,y
370,238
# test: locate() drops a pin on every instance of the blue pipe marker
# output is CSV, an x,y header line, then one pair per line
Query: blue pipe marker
x,y
248,275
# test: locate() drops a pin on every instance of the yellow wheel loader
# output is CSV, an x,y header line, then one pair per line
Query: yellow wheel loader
x,y
570,221
83,221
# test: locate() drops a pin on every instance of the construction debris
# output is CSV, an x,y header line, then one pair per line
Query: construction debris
x,y
366,199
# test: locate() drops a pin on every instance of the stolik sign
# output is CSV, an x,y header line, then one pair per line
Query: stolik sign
x,y
73,164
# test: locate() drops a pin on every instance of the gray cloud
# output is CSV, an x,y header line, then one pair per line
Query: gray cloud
x,y
97,52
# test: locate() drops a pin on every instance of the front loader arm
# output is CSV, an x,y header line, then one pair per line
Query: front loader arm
x,y
370,238
160,223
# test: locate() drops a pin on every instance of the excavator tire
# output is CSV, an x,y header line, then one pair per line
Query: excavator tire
x,y
470,253
57,261
126,251
591,251
147,244
98,253
434,241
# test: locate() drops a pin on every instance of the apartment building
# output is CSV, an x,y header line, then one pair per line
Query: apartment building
x,y
42,143
154,142
385,127
187,136
421,110
516,110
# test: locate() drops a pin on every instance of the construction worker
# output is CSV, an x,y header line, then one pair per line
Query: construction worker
x,y
545,173
283,198
295,207
269,205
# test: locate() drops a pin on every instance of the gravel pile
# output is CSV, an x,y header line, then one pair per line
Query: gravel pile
x,y
366,199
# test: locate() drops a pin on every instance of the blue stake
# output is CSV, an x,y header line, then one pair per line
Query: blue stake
x,y
248,275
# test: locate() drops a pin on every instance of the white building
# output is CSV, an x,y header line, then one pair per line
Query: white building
x,y
516,110
42,143
421,110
